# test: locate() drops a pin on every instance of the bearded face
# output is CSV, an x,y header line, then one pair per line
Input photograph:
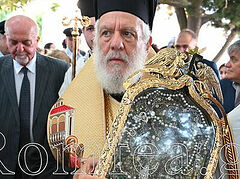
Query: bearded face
x,y
121,44
22,38
112,79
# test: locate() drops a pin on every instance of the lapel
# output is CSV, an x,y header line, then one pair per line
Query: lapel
x,y
7,73
232,96
40,84
229,95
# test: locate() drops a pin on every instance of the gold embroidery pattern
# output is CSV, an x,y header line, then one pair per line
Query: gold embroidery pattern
x,y
108,112
230,152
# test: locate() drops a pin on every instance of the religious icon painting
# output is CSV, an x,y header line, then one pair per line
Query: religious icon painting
x,y
166,126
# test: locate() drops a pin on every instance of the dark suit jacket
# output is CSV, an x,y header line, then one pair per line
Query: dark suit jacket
x,y
228,95
49,78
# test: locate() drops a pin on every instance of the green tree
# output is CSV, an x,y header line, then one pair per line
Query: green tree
x,y
6,7
12,5
39,23
3,15
192,14
228,17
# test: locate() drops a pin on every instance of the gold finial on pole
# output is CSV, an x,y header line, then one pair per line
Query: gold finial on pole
x,y
85,21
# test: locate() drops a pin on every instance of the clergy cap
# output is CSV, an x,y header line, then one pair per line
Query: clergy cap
x,y
2,25
68,32
87,7
144,9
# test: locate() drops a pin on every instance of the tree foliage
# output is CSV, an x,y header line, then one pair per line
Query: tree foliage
x,y
191,14
226,13
226,16
220,13
6,5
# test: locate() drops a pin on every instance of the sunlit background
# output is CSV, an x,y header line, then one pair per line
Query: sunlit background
x,y
165,27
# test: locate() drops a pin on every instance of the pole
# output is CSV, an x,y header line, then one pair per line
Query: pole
x,y
85,21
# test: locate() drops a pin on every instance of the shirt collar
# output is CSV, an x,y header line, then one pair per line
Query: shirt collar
x,y
70,54
89,53
31,66
236,85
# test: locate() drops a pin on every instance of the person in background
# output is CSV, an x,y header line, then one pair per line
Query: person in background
x,y
59,54
64,44
69,50
69,43
40,50
3,45
29,87
49,46
87,9
231,84
187,40
223,71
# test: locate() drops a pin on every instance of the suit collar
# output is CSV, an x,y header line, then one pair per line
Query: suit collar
x,y
42,73
7,73
235,85
31,66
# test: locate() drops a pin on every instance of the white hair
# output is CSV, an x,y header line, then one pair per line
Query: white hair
x,y
113,82
234,46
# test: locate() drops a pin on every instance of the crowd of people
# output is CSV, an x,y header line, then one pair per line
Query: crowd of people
x,y
32,80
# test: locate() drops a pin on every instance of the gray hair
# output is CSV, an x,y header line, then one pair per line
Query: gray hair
x,y
146,33
190,32
234,46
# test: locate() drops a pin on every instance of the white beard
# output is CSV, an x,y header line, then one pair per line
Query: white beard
x,y
22,58
112,83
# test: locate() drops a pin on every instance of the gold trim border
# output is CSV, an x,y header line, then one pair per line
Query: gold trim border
x,y
172,84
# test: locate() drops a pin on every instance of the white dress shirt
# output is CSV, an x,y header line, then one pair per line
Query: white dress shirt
x,y
68,75
31,66
233,118
236,86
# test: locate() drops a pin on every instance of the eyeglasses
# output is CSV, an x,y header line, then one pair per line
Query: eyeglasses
x,y
183,46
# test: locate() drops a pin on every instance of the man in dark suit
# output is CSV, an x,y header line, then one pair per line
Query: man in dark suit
x,y
228,92
231,85
29,87
187,40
